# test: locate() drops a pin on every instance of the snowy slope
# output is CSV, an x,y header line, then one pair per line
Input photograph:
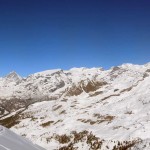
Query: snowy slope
x,y
80,108
11,141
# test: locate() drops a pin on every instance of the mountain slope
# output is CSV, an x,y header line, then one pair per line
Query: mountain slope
x,y
80,108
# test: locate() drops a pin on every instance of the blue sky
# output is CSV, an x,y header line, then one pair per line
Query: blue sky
x,y
37,35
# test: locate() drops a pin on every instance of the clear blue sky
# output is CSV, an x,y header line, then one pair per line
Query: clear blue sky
x,y
37,35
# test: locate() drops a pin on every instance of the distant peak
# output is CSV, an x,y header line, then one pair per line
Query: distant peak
x,y
13,76
13,72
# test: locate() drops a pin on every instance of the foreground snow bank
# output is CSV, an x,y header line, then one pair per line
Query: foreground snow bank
x,y
11,141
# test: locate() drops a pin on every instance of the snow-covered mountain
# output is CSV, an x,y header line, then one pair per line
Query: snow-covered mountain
x,y
80,108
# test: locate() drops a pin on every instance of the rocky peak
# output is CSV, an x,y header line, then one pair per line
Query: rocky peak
x,y
13,76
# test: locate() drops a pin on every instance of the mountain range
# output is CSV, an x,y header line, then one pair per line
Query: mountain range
x,y
80,108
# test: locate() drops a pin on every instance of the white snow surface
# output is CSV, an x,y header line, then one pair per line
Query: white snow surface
x,y
11,141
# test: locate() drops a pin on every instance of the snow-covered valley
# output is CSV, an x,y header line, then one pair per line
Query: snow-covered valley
x,y
80,108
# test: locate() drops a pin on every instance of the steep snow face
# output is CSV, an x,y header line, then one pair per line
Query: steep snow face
x,y
11,141
74,108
